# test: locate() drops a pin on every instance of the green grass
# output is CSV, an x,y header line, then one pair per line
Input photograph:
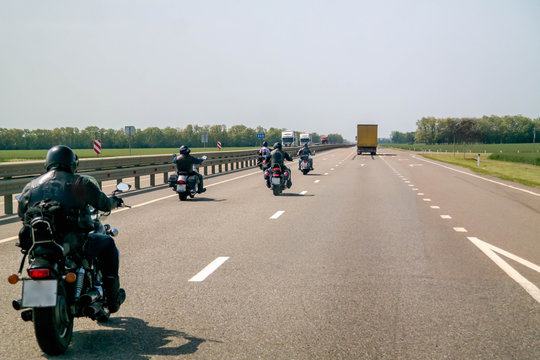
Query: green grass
x,y
521,157
521,173
473,148
23,155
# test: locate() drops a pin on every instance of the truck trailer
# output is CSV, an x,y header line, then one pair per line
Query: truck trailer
x,y
366,139
305,139
289,138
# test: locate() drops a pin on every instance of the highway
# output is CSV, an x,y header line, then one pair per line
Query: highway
x,y
367,257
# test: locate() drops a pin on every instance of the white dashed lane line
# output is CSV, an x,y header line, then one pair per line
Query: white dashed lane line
x,y
435,207
303,192
460,229
209,269
446,217
277,214
316,181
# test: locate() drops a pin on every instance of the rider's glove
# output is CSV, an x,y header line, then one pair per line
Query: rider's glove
x,y
119,201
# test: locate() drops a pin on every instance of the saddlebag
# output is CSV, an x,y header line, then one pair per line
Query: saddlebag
x,y
173,179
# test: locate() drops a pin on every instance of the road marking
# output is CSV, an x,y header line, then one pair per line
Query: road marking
x,y
414,189
407,181
325,173
316,181
446,217
277,214
332,169
303,192
460,229
8,239
480,177
491,251
210,268
411,185
426,199
362,165
419,193
434,207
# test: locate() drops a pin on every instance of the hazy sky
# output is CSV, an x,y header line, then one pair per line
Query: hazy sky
x,y
317,66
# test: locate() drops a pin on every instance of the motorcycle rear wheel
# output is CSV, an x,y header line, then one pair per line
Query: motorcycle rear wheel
x,y
276,190
54,325
305,171
182,197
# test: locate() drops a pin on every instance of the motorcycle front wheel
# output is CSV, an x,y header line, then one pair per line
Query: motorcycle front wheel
x,y
54,325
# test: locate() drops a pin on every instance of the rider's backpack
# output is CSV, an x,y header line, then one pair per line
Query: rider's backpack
x,y
46,217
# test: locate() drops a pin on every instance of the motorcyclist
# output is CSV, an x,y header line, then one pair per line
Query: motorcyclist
x,y
263,152
185,162
75,192
304,151
277,158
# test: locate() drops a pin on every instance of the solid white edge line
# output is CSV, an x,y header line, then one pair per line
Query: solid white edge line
x,y
9,239
479,177
489,250
277,214
209,269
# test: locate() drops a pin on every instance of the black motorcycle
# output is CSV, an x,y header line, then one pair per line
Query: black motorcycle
x,y
184,184
62,283
278,179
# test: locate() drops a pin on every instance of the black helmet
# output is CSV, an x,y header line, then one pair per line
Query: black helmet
x,y
184,149
61,157
265,143
277,145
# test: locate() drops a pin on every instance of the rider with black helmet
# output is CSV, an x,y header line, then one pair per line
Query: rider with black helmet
x,y
185,162
263,152
277,158
75,193
304,151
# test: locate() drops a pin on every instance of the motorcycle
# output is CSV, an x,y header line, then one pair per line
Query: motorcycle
x,y
278,179
305,165
263,162
184,184
62,283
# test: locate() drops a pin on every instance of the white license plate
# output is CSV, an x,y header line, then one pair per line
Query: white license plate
x,y
276,181
181,188
39,293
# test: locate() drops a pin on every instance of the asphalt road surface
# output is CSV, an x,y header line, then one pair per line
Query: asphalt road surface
x,y
384,257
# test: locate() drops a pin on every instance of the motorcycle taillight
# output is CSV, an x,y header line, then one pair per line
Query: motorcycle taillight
x,y
181,182
39,273
285,173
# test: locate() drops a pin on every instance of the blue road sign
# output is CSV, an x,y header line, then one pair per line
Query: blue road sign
x,y
261,135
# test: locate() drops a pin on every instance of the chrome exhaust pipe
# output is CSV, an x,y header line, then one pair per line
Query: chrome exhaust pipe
x,y
89,298
92,310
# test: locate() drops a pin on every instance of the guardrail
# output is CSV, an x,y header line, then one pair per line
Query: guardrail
x,y
14,176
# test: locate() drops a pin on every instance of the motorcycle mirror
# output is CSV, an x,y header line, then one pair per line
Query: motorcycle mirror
x,y
204,157
18,197
123,187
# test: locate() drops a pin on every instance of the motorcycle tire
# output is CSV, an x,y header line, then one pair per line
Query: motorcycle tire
x,y
276,190
305,171
182,197
54,325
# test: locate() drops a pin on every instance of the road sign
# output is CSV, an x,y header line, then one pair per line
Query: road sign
x,y
129,130
97,146
261,135
204,137
219,145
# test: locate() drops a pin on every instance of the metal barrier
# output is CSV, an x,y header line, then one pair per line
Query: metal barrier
x,y
14,176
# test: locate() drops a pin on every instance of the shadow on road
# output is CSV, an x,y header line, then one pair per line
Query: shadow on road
x,y
198,199
293,194
9,219
131,338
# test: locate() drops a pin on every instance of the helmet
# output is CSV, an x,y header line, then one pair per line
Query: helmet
x,y
265,143
184,149
277,145
61,157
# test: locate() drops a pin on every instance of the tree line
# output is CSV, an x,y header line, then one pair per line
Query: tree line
x,y
486,130
152,137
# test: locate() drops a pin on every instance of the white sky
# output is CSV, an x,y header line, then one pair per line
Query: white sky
x,y
317,66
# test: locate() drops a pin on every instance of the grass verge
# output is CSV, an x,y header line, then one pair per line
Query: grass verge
x,y
521,173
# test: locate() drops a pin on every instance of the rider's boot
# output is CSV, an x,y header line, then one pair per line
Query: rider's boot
x,y
114,294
